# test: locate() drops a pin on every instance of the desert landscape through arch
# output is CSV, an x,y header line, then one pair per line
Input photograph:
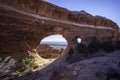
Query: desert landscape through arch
x,y
52,46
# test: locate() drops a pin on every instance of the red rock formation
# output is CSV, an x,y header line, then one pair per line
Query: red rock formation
x,y
23,23
46,51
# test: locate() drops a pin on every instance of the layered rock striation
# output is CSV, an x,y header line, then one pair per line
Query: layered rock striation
x,y
24,23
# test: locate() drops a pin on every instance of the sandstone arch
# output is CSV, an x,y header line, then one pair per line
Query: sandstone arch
x,y
31,20
23,23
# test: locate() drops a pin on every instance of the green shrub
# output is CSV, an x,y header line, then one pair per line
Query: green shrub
x,y
27,63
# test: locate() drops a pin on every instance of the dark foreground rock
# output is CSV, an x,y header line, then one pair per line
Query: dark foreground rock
x,y
97,68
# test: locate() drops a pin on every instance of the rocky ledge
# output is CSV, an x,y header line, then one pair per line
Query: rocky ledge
x,y
106,67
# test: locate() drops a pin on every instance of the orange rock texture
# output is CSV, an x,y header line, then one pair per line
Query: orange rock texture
x,y
24,23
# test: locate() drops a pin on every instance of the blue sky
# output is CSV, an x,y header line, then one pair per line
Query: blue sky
x,y
54,38
107,8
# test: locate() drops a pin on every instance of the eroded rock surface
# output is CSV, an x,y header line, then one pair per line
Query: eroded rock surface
x,y
97,68
6,67
24,23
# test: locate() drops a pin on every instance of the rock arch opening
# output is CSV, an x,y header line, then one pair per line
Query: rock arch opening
x,y
52,46
49,49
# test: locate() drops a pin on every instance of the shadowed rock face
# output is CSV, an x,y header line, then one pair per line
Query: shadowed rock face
x,y
24,23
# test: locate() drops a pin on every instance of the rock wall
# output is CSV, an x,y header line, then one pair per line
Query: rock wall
x,y
39,7
43,8
23,23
